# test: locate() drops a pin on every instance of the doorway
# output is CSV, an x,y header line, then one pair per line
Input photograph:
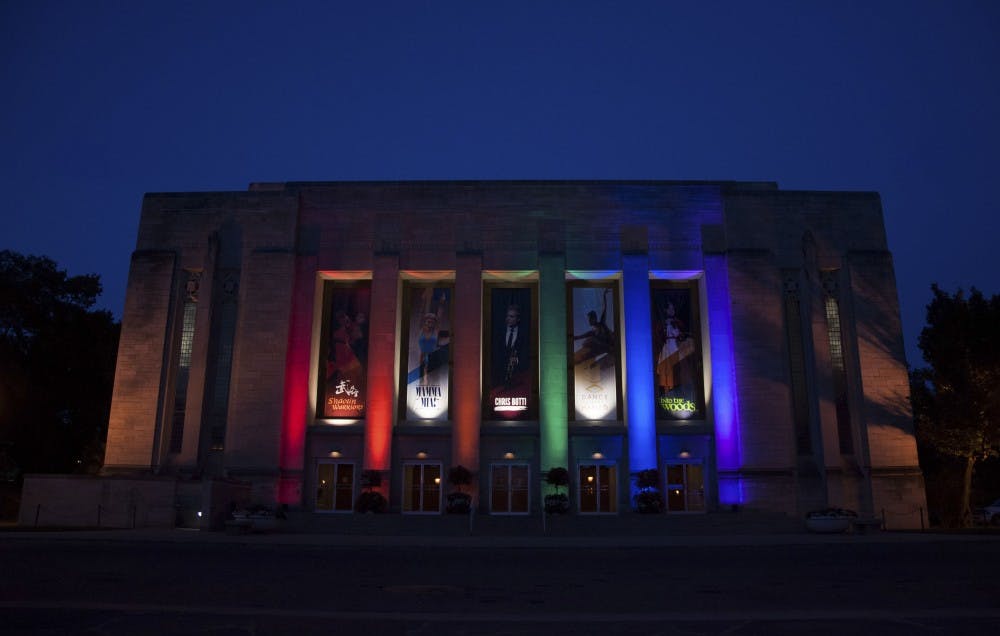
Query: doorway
x,y
598,488
422,488
685,484
335,487
509,492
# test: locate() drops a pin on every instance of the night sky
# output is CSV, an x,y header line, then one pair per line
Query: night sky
x,y
104,101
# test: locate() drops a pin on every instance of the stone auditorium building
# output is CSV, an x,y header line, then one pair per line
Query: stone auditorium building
x,y
741,340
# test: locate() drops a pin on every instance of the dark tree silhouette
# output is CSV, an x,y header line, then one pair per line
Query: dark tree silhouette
x,y
57,363
956,397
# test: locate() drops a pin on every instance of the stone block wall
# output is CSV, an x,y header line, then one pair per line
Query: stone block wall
x,y
139,373
106,502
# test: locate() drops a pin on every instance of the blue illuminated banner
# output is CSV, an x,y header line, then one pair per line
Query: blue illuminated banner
x,y
677,353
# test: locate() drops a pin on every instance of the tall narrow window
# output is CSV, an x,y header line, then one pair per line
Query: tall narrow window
x,y
184,360
835,336
223,334
797,363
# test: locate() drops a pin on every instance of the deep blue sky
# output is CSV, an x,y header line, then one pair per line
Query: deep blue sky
x,y
103,101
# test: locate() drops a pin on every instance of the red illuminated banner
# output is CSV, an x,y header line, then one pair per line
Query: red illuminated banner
x,y
346,362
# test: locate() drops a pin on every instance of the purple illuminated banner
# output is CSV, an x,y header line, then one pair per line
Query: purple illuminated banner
x,y
510,376
428,357
346,364
677,353
595,352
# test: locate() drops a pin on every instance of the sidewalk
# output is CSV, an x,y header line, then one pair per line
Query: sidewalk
x,y
280,537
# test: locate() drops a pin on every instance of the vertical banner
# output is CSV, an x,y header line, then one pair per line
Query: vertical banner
x,y
428,354
595,353
511,374
347,351
677,354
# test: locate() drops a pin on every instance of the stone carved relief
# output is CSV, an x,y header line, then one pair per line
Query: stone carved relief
x,y
192,286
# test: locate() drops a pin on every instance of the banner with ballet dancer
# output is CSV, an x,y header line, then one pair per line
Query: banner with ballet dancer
x,y
346,364
428,357
595,353
677,364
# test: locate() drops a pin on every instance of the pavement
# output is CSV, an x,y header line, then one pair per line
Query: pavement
x,y
604,540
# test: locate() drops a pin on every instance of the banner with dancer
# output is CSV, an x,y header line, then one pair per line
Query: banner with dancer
x,y
677,354
346,364
428,358
511,376
595,353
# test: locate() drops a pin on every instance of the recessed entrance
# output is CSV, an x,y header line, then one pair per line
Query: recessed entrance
x,y
422,488
598,488
509,489
334,487
685,487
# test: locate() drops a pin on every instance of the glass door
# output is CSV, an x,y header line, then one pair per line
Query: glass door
x,y
685,487
335,487
598,488
509,489
422,488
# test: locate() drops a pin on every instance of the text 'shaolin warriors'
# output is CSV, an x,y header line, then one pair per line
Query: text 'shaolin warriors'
x,y
429,353
510,354
595,353
676,354
347,352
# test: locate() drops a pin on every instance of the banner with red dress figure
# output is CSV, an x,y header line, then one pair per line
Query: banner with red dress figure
x,y
428,359
677,354
346,361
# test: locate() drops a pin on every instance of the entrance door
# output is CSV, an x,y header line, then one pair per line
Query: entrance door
x,y
422,488
598,488
685,487
335,487
509,489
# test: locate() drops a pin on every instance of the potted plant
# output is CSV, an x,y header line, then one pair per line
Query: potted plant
x,y
830,520
648,500
557,503
459,502
371,500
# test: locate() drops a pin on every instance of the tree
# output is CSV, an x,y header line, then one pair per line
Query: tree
x,y
459,502
956,397
557,503
57,361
